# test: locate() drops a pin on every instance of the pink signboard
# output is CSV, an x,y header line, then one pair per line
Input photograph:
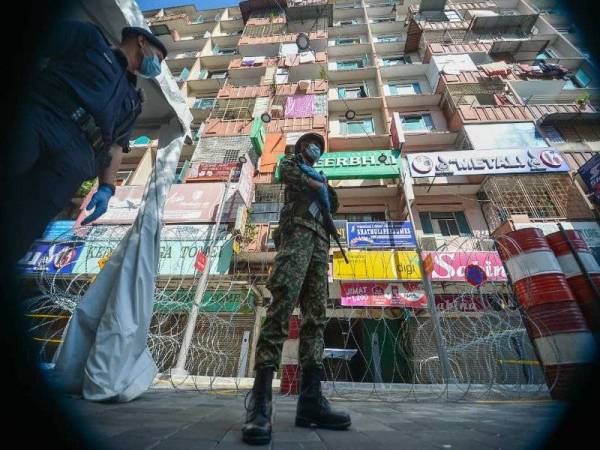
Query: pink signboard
x,y
451,266
399,295
186,203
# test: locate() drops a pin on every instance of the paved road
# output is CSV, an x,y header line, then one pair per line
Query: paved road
x,y
168,419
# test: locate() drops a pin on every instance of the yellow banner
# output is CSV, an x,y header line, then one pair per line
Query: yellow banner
x,y
377,265
407,265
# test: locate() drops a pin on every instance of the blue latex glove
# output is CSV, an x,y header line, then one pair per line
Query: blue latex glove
x,y
100,202
323,193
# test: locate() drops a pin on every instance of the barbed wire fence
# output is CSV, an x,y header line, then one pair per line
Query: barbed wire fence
x,y
489,350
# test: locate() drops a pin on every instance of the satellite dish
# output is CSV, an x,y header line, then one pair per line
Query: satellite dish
x,y
303,42
265,117
350,114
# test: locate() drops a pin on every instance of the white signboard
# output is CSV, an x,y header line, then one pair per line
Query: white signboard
x,y
486,162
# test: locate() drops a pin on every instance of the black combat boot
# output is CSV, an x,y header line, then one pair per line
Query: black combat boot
x,y
257,429
313,408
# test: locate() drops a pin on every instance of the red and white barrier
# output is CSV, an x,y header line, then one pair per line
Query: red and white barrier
x,y
584,293
556,325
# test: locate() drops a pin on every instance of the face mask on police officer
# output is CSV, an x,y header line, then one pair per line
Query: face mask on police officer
x,y
150,66
314,152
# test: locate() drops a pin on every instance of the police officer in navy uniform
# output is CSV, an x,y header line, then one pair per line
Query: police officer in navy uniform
x,y
76,123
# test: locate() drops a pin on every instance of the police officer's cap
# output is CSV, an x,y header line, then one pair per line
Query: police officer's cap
x,y
310,137
153,40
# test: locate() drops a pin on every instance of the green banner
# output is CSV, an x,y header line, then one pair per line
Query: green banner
x,y
212,301
357,165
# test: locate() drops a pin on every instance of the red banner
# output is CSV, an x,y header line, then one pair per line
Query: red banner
x,y
214,172
399,295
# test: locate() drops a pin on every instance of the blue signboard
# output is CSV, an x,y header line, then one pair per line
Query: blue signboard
x,y
51,258
590,174
380,234
59,229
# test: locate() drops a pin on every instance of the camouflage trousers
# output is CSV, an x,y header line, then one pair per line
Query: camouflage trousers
x,y
299,274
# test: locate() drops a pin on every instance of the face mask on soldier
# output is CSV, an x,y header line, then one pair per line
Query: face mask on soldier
x,y
314,152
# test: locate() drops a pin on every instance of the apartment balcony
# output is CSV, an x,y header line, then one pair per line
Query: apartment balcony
x,y
487,83
270,45
305,66
366,130
348,45
465,114
351,68
340,105
309,9
317,123
379,7
418,128
390,43
264,21
208,81
232,23
201,107
251,91
435,49
249,63
249,7
354,26
410,93
178,61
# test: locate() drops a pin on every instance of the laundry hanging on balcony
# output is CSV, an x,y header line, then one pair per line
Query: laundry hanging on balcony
x,y
300,106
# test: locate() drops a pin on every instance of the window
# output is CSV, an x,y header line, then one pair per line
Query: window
x,y
445,223
199,19
218,74
384,19
581,78
228,51
570,85
185,73
396,60
122,176
288,49
347,41
142,140
160,30
196,133
547,54
353,127
404,88
281,77
352,91
452,16
203,103
351,64
392,38
348,22
419,122
504,135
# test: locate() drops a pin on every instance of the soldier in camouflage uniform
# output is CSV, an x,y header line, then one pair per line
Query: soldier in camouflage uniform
x,y
299,274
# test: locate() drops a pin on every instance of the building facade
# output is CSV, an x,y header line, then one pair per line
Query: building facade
x,y
471,118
